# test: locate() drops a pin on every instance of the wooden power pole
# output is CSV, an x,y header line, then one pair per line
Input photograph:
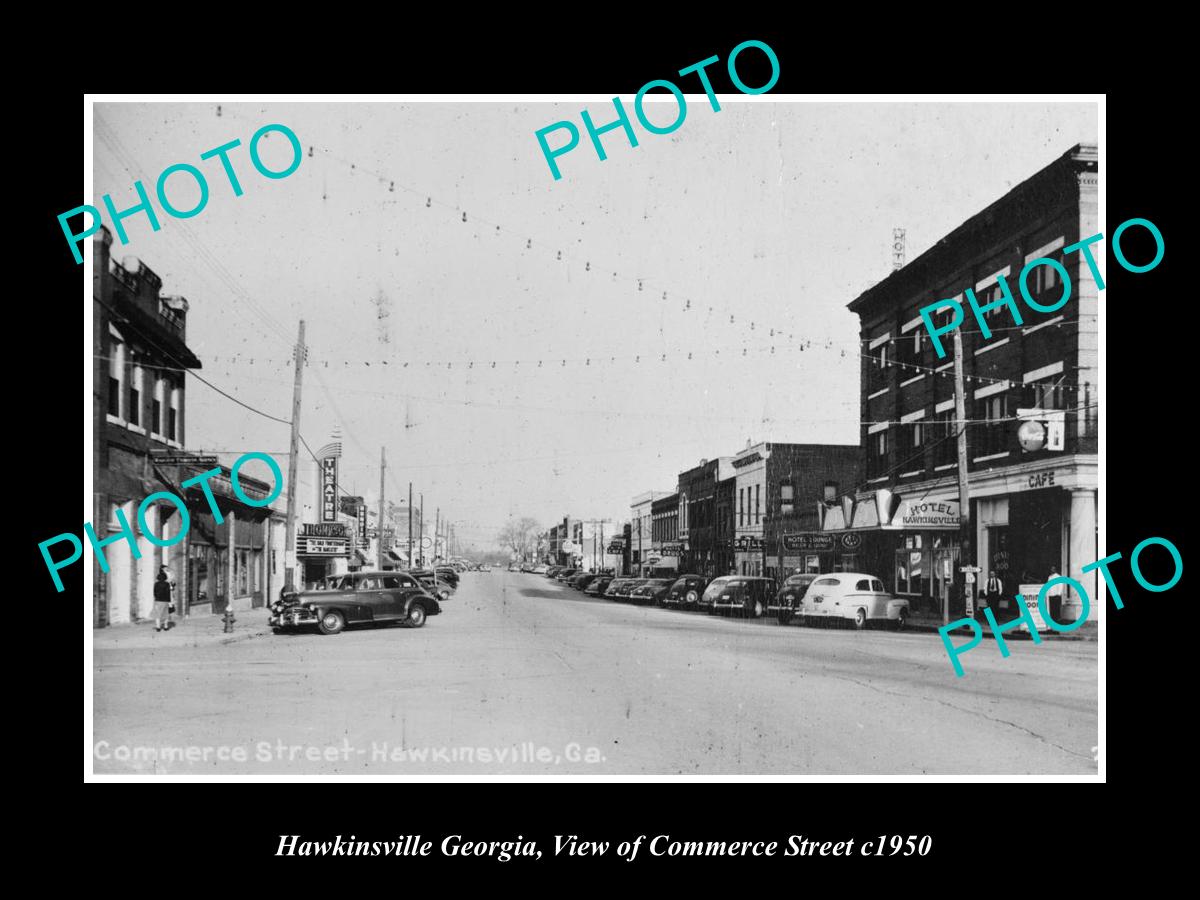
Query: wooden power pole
x,y
289,554
382,471
967,553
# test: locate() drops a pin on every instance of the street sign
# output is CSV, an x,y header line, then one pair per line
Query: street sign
x,y
176,459
970,569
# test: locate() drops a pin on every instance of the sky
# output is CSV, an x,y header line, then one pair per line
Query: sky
x,y
699,302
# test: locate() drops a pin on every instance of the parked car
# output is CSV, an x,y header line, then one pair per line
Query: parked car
x,y
581,581
652,591
439,587
554,570
446,573
526,567
686,591
564,574
355,598
747,593
513,567
627,587
598,585
539,570
615,585
852,595
788,598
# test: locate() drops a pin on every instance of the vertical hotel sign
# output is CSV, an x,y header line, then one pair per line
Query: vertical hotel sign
x,y
329,507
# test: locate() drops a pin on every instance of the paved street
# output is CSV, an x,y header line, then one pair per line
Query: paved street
x,y
520,669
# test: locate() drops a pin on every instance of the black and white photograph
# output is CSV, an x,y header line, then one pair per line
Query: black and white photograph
x,y
692,433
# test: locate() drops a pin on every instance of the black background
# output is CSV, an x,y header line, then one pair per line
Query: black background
x,y
202,835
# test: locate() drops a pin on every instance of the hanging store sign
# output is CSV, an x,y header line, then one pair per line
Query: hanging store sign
x,y
749,544
318,546
916,514
810,542
329,506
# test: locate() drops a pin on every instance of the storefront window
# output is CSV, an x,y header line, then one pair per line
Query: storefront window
x,y
910,571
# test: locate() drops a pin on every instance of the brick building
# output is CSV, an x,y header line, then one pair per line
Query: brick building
x,y
778,488
699,530
1032,508
140,356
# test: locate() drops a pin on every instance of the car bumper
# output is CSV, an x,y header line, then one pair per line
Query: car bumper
x,y
293,618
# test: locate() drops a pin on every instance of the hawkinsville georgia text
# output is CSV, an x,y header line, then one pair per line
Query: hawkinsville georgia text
x,y
126,530
414,845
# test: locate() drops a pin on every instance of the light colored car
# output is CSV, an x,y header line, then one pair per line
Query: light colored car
x,y
851,595
539,570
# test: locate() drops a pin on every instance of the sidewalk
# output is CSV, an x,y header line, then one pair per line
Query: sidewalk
x,y
194,631
922,621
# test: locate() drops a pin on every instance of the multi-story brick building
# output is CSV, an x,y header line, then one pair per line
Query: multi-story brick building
x,y
1031,510
642,529
699,530
777,491
664,535
140,356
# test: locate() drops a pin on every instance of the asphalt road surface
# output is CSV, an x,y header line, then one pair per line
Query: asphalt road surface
x,y
521,675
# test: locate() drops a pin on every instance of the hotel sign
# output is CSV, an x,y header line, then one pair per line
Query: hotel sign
x,y
918,514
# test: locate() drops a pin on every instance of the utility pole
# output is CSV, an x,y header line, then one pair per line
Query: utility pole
x,y
410,512
421,528
966,553
437,527
289,554
382,470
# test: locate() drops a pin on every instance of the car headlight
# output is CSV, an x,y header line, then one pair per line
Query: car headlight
x,y
724,596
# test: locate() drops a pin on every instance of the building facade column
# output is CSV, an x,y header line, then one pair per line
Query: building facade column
x,y
1082,550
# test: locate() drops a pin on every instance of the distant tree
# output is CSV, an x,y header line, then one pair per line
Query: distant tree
x,y
518,536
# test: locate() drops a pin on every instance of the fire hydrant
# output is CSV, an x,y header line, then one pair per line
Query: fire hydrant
x,y
228,619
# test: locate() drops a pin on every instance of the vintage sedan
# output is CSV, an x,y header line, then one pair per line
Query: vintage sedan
x,y
598,586
685,592
614,586
653,591
353,599
852,595
749,594
627,587
788,598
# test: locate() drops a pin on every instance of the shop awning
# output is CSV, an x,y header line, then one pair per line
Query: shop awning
x,y
396,557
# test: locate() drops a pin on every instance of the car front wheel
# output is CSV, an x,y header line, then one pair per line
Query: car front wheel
x,y
785,616
901,619
331,622
860,618
416,616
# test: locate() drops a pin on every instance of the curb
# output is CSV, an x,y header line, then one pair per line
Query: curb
x,y
1090,637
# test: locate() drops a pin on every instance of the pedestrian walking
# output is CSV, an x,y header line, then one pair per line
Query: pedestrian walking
x,y
162,602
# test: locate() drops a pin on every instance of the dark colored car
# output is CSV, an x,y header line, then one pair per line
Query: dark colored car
x,y
686,591
564,574
747,593
579,582
439,587
446,573
627,586
615,585
355,598
787,599
554,570
653,591
597,586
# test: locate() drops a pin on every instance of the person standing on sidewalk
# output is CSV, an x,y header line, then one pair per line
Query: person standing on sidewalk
x,y
162,602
